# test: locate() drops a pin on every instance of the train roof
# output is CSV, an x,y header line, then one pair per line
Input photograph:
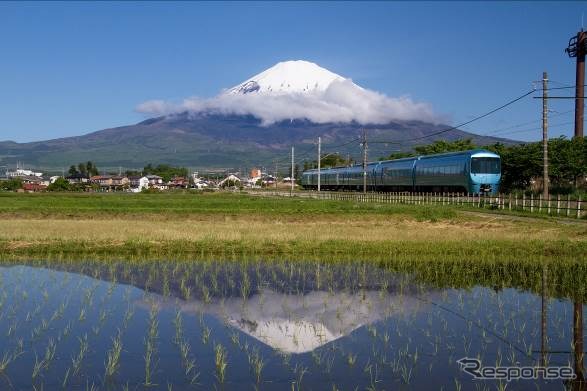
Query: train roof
x,y
471,153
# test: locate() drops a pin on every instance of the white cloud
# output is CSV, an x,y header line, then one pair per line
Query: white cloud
x,y
343,101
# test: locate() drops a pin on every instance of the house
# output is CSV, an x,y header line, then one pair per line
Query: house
x,y
110,182
77,178
200,185
231,180
105,181
255,173
269,180
179,183
33,187
119,182
156,182
30,179
137,184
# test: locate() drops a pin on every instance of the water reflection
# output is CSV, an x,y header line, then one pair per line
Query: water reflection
x,y
300,323
312,325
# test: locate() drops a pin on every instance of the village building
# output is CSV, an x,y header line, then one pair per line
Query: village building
x,y
21,172
77,178
138,183
119,182
179,183
33,187
201,184
156,182
231,180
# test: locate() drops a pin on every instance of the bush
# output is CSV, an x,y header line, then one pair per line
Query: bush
x,y
11,184
60,184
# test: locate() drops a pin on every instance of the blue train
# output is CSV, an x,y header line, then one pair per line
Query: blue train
x,y
475,171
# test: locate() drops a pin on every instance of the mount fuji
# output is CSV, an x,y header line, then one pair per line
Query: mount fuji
x,y
250,124
288,77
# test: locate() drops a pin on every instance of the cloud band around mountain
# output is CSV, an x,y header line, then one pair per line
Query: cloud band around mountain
x,y
341,102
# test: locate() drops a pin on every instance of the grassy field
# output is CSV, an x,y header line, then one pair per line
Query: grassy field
x,y
232,225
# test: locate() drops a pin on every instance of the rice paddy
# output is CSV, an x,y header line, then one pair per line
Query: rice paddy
x,y
231,292
234,225
285,325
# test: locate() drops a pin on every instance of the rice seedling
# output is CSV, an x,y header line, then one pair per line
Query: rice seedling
x,y
351,359
128,314
8,358
37,368
112,364
49,353
220,362
150,346
206,334
256,364
186,290
65,380
82,315
78,359
299,372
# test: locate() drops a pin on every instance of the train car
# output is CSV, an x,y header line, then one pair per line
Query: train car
x,y
475,171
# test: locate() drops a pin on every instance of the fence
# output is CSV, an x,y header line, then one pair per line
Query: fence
x,y
554,206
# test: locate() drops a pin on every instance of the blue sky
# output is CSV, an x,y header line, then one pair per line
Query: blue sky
x,y
71,68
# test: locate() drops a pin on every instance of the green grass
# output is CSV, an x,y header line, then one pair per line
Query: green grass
x,y
178,205
298,250
226,225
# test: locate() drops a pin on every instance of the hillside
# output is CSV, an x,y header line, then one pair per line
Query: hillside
x,y
216,141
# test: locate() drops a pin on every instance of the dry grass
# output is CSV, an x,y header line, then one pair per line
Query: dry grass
x,y
267,228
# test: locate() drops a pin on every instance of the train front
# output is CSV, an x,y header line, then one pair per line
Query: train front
x,y
485,172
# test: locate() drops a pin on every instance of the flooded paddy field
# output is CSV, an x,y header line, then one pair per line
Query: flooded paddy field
x,y
281,325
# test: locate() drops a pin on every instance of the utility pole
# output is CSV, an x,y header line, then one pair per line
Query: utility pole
x,y
276,174
544,307
292,168
578,344
364,161
319,147
545,181
577,48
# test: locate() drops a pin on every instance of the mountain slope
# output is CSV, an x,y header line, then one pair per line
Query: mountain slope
x,y
217,141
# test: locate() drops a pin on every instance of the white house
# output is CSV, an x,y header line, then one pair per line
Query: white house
x,y
200,185
140,184
229,179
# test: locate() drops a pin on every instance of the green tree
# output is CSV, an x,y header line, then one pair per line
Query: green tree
x,y
441,146
81,168
60,184
165,171
11,184
397,155
91,169
328,160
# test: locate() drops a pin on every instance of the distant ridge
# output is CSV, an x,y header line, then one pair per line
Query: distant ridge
x,y
216,141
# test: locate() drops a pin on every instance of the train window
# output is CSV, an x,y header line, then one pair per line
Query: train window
x,y
485,165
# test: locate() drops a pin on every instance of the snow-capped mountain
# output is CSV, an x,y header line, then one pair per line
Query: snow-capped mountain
x,y
253,123
301,90
288,77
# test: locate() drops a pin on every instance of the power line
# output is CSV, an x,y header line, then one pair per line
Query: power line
x,y
472,120
539,127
